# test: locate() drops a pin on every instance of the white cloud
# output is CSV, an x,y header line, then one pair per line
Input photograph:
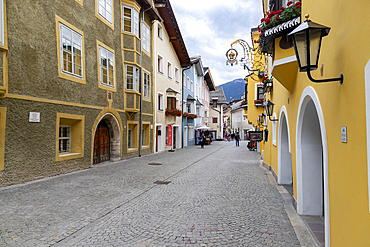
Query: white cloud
x,y
209,26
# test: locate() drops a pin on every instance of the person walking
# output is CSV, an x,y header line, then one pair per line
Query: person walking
x,y
202,140
237,138
232,136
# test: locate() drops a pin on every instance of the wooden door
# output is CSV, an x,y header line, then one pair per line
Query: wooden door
x,y
101,145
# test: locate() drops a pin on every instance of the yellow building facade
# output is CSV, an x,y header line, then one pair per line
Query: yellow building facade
x,y
320,143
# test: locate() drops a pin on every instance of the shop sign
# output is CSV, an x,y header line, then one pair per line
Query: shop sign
x,y
169,142
256,136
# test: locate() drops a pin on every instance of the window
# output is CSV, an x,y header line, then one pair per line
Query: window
x,y
205,114
69,136
130,20
188,83
166,135
189,108
183,79
132,77
260,92
64,139
214,120
132,136
145,135
160,102
177,75
171,102
169,70
191,86
71,50
191,132
105,11
146,85
2,24
106,64
214,104
160,32
129,138
146,38
160,64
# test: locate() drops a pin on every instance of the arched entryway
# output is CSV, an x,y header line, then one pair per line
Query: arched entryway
x,y
312,159
285,174
107,140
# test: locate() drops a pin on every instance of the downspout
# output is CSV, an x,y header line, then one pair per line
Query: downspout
x,y
182,102
141,82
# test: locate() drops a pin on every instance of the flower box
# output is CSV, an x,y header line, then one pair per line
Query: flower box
x,y
276,24
173,112
189,115
258,102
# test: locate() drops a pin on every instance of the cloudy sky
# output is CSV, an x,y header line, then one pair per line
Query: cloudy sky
x,y
209,26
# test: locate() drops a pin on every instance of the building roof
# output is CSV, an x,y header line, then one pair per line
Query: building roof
x,y
209,79
170,90
219,94
166,12
197,61
152,12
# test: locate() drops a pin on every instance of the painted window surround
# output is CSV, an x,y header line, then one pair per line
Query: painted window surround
x,y
104,19
99,47
146,85
69,77
134,21
134,125
77,123
146,136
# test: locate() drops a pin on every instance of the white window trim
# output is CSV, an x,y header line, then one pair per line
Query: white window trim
x,y
161,102
191,133
148,86
177,74
101,48
257,85
274,130
192,86
160,31
146,38
134,20
135,78
73,32
160,65
188,83
169,69
107,2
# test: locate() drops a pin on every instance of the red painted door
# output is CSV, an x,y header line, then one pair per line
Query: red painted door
x,y
101,145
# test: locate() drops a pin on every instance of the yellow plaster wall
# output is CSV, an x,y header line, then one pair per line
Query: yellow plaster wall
x,y
342,106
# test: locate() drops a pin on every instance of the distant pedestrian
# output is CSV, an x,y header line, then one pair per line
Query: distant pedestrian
x,y
202,140
225,137
232,136
237,138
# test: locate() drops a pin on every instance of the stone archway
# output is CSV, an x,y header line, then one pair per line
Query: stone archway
x,y
285,174
109,121
312,160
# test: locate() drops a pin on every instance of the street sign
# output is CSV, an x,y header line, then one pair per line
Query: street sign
x,y
344,134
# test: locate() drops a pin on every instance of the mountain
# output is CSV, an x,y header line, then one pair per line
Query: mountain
x,y
234,89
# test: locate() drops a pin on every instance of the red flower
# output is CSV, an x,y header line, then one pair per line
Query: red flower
x,y
267,20
282,8
277,18
289,3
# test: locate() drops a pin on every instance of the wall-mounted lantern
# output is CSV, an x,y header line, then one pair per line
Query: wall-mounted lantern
x,y
269,108
261,120
307,43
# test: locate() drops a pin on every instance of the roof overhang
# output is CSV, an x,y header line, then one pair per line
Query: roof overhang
x,y
152,12
209,80
166,12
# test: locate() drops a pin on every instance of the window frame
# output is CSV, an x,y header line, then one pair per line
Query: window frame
x,y
146,88
132,126
177,74
66,75
145,135
101,84
134,20
160,32
160,64
169,69
160,101
213,120
103,18
191,133
146,39
77,130
135,78
68,138
173,102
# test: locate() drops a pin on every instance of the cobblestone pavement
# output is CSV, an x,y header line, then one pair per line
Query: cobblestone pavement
x,y
218,196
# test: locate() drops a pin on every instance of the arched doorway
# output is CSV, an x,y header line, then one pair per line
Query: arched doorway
x,y
312,160
285,174
101,143
107,140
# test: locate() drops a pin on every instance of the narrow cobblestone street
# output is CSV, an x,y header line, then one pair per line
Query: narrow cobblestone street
x,y
217,196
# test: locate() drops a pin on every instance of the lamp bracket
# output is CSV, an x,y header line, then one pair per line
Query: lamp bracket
x,y
340,79
273,120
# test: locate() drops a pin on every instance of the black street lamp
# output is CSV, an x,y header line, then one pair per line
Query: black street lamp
x,y
307,43
261,119
269,108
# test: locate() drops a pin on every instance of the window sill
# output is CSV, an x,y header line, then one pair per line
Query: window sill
x,y
130,150
68,156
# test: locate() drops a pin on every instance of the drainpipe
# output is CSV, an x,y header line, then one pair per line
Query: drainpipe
x,y
182,102
141,82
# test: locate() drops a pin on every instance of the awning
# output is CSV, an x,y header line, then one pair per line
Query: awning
x,y
190,98
198,102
